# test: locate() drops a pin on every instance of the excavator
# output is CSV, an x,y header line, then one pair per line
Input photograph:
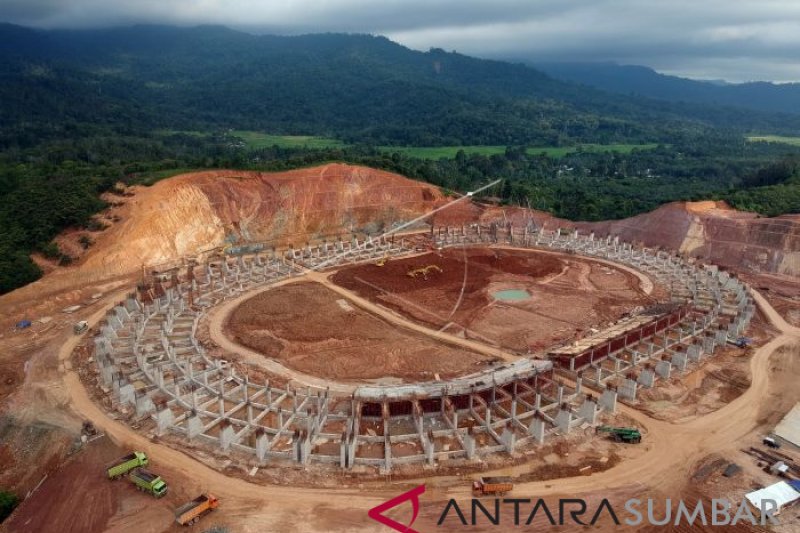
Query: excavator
x,y
622,434
382,261
423,271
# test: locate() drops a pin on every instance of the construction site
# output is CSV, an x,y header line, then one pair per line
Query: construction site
x,y
352,366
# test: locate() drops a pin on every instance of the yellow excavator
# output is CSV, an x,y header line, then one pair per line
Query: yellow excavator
x,y
382,261
423,271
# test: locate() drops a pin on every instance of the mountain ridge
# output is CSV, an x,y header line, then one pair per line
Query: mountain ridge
x,y
647,82
356,87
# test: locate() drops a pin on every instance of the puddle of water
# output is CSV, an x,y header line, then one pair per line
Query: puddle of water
x,y
512,295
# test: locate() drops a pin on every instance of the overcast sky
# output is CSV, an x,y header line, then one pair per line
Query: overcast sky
x,y
737,40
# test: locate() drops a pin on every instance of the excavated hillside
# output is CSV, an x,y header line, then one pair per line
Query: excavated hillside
x,y
712,231
191,213
195,212
717,233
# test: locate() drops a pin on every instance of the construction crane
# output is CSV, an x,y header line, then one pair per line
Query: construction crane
x,y
423,271
629,435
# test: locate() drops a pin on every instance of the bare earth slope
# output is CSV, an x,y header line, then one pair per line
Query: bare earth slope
x,y
717,233
193,212
712,231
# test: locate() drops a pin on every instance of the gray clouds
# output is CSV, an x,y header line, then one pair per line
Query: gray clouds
x,y
732,39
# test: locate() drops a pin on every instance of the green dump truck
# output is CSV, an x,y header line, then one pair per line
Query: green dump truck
x,y
126,464
628,435
148,482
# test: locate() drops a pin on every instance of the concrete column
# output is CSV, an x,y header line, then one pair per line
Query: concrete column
x,y
694,353
509,439
563,419
679,361
646,378
226,436
608,400
344,461
663,369
262,445
127,394
709,344
194,426
469,445
537,429
588,410
628,389
164,419
144,405
428,446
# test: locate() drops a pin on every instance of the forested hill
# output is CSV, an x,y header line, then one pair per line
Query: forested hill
x,y
644,81
356,88
81,111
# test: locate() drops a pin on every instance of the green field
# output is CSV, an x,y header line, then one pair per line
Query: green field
x,y
255,140
449,152
794,141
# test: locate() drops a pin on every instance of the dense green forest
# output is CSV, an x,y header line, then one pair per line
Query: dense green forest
x,y
83,110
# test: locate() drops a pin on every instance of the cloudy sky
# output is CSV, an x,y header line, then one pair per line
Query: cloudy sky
x,y
737,40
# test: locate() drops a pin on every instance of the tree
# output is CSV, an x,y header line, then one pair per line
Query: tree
x,y
8,501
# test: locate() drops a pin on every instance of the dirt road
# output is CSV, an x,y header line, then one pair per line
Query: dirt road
x,y
645,283
672,450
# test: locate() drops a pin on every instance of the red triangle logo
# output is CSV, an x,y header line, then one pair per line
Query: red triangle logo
x,y
376,513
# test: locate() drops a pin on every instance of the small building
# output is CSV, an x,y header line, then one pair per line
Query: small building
x,y
788,430
782,493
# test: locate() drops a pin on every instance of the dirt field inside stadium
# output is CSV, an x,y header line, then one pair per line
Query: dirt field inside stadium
x,y
566,295
309,328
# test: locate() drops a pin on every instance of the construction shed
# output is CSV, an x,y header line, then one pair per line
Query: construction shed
x,y
788,430
782,493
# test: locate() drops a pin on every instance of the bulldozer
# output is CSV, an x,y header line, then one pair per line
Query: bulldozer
x,y
423,271
628,435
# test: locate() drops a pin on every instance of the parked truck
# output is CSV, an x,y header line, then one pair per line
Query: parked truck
x,y
629,435
126,464
189,513
488,486
148,482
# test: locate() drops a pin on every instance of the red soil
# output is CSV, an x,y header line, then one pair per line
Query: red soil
x,y
309,328
568,295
